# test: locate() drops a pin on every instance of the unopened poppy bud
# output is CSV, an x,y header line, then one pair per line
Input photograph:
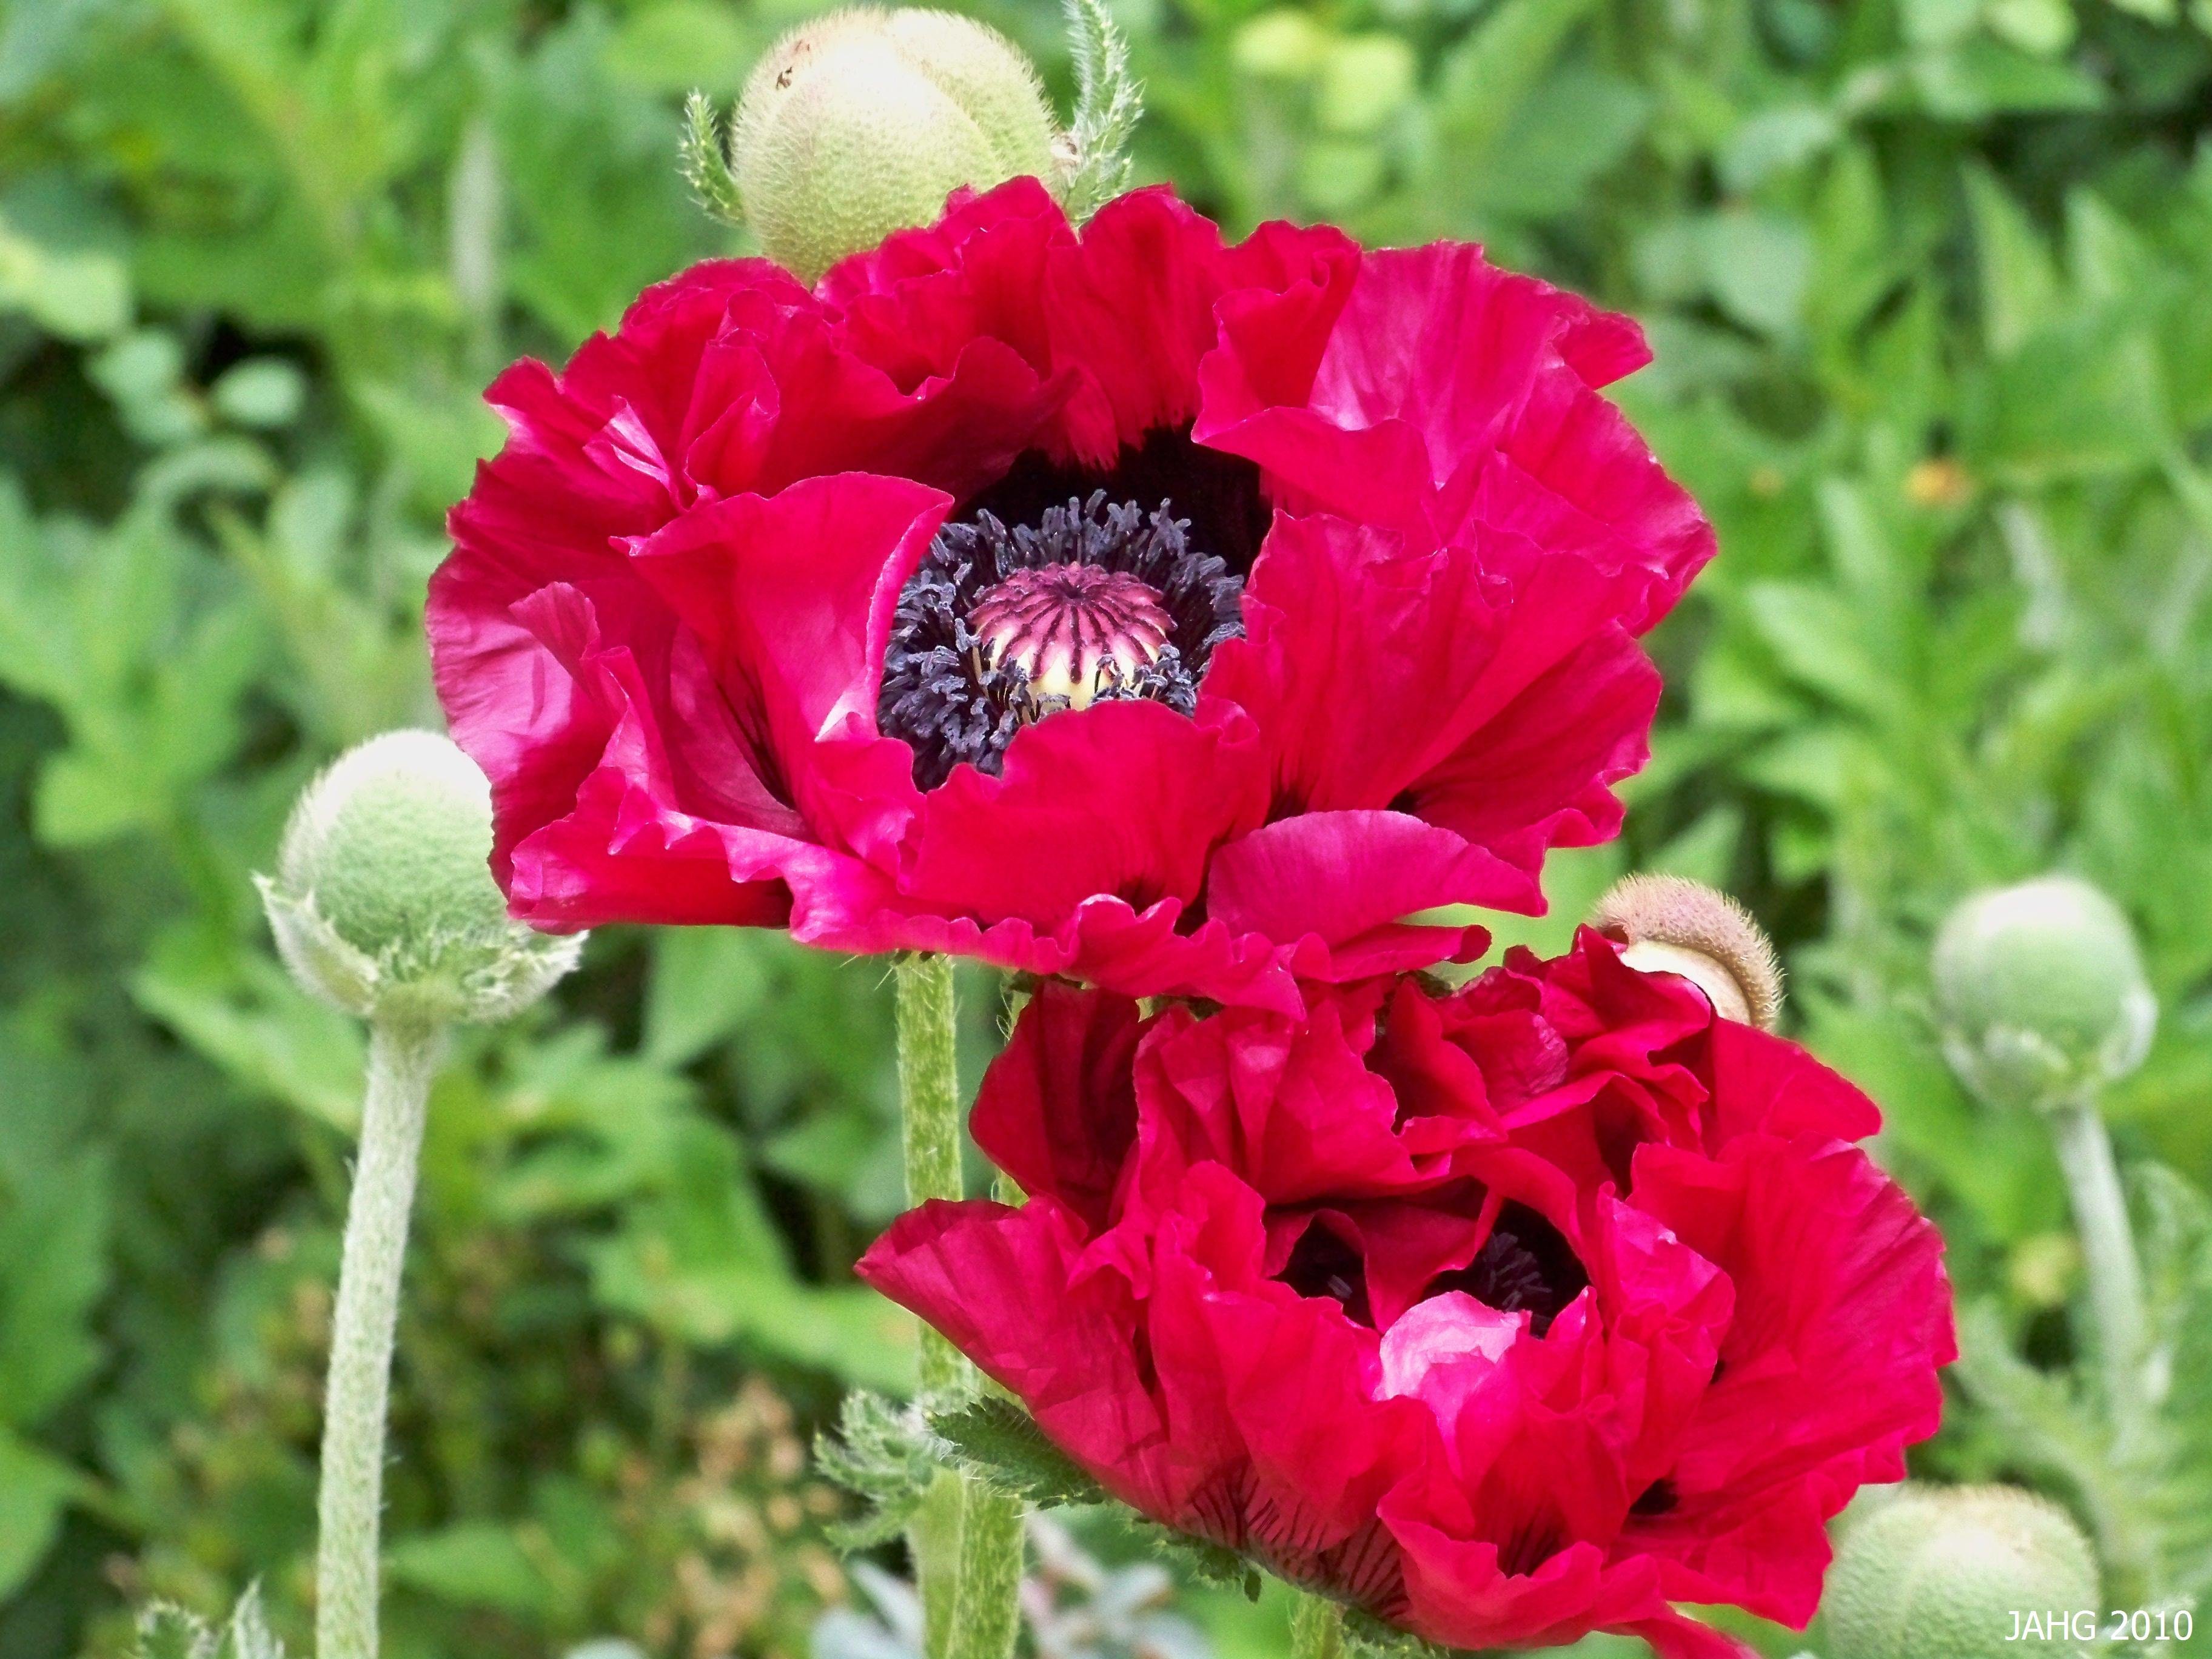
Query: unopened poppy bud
x,y
1967,1573
2042,993
862,122
383,902
1668,924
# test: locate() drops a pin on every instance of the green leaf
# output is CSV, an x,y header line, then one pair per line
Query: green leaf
x,y
1571,130
1981,78
1366,1634
885,1454
1482,83
77,294
165,1632
1814,632
244,1012
1207,1562
261,392
470,1563
998,1440
35,1489
2019,282
672,45
55,1214
707,983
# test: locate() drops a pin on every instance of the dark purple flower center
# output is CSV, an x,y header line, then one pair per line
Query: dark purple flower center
x,y
1525,1265
1323,1265
1001,625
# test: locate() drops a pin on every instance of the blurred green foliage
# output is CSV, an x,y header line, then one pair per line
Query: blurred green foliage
x,y
1926,280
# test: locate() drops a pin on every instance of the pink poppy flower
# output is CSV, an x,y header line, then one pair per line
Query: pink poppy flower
x,y
1506,1314
1121,603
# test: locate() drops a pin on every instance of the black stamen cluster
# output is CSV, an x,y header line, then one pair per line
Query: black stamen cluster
x,y
944,699
1525,1263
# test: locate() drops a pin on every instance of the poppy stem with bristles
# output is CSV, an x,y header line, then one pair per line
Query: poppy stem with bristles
x,y
968,1537
402,1057
1316,1628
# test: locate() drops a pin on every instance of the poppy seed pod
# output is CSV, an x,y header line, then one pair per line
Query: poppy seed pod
x,y
1969,1572
862,122
2041,992
383,902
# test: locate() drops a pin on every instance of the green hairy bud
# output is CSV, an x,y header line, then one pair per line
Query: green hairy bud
x,y
383,902
1967,1572
2042,993
862,122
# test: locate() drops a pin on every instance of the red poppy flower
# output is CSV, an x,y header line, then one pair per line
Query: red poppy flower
x,y
1506,1314
1124,604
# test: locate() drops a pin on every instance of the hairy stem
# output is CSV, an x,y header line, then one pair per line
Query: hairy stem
x,y
986,1609
402,1059
929,1107
1316,1628
967,1541
2108,1253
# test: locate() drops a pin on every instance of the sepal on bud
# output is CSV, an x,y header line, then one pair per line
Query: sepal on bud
x,y
383,902
1669,924
1954,1573
2041,993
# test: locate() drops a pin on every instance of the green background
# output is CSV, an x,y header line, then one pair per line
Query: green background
x,y
1931,282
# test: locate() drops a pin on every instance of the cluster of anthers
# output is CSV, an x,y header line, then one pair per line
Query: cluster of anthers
x,y
1002,625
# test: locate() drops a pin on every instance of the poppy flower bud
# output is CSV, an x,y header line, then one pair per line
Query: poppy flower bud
x,y
1967,1572
1669,924
862,122
383,902
2041,992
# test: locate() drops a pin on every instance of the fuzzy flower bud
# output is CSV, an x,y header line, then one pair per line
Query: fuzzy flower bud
x,y
2042,993
1967,1573
1671,925
383,902
862,122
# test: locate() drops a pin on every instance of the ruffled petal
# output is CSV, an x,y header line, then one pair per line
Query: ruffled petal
x,y
1843,1315
1002,1287
1123,798
1494,698
1058,1109
1454,394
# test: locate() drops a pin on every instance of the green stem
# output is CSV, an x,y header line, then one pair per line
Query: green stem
x,y
929,1108
987,1606
967,1541
1316,1628
2108,1255
402,1059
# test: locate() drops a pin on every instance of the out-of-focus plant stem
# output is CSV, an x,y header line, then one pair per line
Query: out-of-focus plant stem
x,y
402,1059
2108,1253
968,1538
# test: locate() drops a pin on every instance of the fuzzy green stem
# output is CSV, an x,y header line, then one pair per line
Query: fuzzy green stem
x,y
2108,1253
968,1538
402,1059
1316,1628
986,1609
929,1108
